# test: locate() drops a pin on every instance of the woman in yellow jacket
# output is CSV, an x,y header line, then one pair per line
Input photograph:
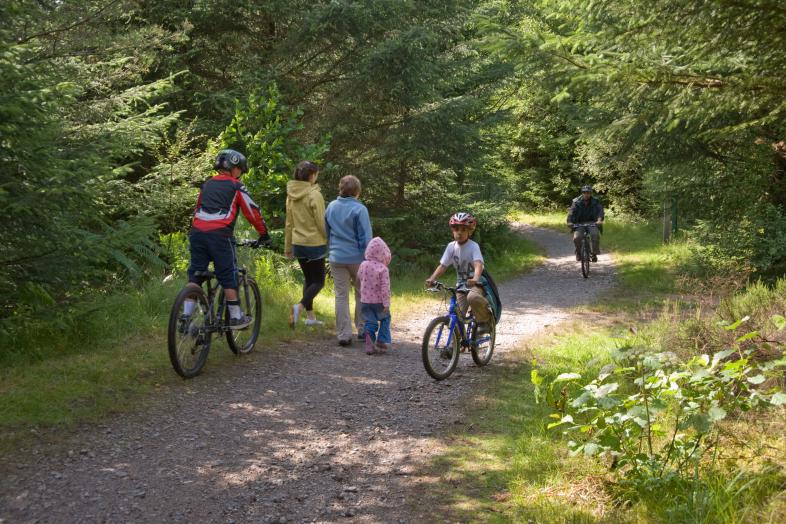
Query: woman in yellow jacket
x,y
305,237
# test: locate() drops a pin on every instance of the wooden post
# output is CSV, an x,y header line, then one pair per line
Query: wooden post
x,y
666,221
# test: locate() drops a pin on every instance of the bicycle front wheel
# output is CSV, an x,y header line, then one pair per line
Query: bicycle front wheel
x,y
243,340
585,258
440,348
483,347
189,334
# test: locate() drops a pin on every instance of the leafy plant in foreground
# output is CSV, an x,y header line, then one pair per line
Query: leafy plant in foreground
x,y
656,417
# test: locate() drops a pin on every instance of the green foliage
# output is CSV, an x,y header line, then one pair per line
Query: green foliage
x,y
265,129
68,139
658,418
672,99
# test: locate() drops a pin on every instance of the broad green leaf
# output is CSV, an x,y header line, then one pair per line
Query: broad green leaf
x,y
716,413
735,325
606,389
567,419
566,377
779,321
757,379
748,336
778,399
591,449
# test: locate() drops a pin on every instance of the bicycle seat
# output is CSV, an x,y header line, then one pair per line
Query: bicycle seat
x,y
206,274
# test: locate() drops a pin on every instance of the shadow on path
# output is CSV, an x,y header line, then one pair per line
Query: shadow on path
x,y
312,433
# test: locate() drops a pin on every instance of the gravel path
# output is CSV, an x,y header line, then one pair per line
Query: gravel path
x,y
313,433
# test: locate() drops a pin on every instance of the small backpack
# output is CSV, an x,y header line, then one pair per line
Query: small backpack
x,y
493,294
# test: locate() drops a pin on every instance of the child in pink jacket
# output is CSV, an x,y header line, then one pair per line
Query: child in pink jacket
x,y
375,295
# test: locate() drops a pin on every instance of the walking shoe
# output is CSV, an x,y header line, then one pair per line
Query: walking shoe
x,y
313,322
369,345
183,322
345,342
578,257
594,258
382,346
294,315
240,323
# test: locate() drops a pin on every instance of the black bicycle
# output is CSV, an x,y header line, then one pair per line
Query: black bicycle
x,y
447,336
585,252
189,334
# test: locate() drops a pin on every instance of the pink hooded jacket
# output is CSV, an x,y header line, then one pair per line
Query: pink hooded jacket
x,y
373,274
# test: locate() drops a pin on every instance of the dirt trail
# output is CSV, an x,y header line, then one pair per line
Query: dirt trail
x,y
315,433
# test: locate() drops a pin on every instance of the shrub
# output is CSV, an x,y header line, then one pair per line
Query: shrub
x,y
657,417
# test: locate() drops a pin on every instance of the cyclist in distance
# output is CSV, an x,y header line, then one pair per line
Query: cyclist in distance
x,y
212,230
465,256
586,209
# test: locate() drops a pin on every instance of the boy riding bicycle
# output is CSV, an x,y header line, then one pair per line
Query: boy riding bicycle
x,y
465,256
212,229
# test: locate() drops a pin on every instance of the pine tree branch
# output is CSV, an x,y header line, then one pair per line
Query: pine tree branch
x,y
68,27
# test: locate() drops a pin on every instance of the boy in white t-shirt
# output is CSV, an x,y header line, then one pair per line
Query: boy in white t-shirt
x,y
465,256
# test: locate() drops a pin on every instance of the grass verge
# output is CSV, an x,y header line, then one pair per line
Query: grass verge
x,y
505,466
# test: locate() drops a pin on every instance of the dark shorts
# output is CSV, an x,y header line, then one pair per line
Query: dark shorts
x,y
309,252
209,247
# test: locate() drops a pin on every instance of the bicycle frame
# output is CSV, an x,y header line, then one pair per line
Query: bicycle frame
x,y
216,323
460,323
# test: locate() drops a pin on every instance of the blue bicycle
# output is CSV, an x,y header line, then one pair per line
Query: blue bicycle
x,y
451,334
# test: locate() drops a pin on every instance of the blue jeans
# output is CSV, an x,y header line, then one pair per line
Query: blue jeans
x,y
373,316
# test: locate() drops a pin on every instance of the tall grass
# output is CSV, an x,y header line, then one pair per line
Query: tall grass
x,y
503,465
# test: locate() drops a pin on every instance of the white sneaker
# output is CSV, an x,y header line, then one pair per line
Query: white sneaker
x,y
294,315
314,322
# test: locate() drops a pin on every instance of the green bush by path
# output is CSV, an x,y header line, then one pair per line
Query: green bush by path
x,y
504,465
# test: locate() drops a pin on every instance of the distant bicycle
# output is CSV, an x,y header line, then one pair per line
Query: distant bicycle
x,y
447,336
586,249
189,335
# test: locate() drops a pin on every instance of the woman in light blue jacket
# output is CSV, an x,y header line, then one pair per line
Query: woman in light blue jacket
x,y
349,232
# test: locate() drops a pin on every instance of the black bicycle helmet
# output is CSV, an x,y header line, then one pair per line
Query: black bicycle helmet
x,y
229,158
585,189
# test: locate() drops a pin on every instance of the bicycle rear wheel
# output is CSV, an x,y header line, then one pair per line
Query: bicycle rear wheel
x,y
440,349
243,340
484,346
585,258
188,338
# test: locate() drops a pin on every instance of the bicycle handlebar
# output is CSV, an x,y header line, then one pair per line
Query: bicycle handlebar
x,y
248,243
586,224
439,286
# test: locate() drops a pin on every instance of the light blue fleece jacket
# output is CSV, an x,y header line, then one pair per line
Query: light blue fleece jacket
x,y
348,230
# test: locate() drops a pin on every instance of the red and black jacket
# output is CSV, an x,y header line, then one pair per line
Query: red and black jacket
x,y
217,207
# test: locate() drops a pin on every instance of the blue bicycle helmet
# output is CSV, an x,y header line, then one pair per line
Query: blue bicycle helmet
x,y
229,158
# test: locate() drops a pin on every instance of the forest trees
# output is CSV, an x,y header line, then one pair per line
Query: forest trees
x,y
110,110
672,99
